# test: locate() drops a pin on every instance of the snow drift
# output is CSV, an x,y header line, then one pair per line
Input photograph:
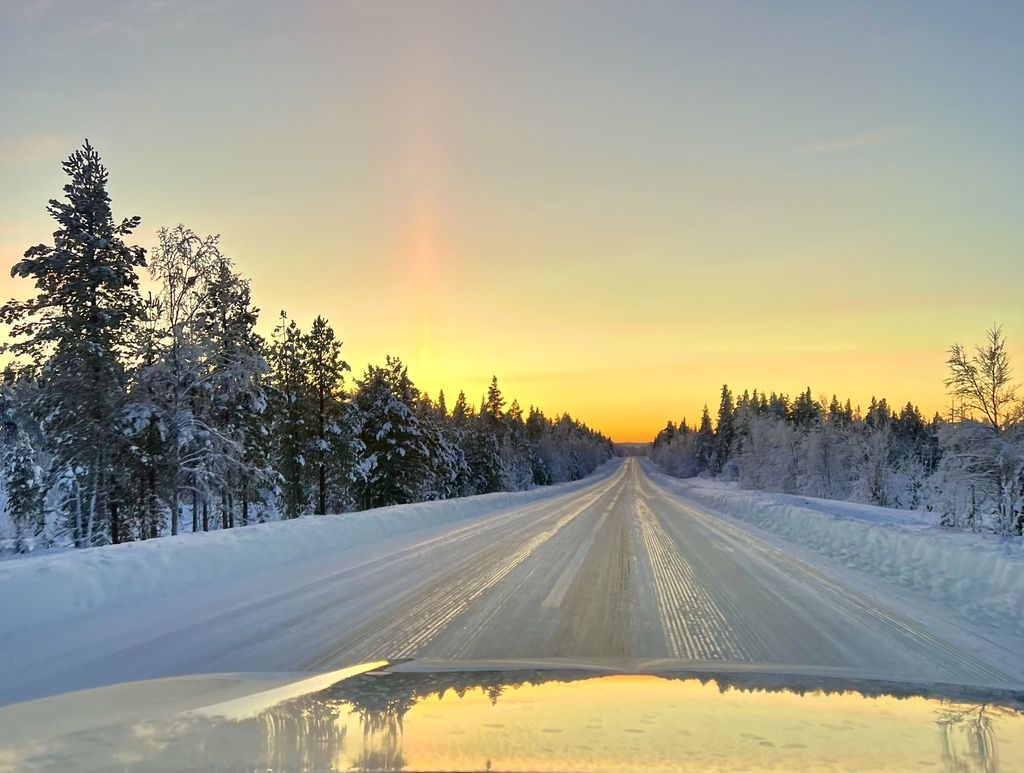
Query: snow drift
x,y
978,576
41,588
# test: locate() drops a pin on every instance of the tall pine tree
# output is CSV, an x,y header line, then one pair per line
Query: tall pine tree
x,y
76,329
705,443
331,435
291,414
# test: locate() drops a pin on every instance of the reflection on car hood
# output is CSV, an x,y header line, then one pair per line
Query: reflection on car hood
x,y
526,716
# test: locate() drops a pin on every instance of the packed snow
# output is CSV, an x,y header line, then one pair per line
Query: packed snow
x,y
626,564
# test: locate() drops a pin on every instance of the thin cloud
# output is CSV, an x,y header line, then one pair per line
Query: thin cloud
x,y
182,15
36,7
874,137
99,28
126,18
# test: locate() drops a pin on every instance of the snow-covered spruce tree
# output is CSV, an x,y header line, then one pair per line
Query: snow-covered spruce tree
x,y
24,488
148,452
22,463
493,403
552,461
516,450
569,450
912,456
332,431
675,450
665,437
448,463
291,414
536,428
397,463
458,424
482,450
725,432
871,464
75,330
778,406
805,411
462,411
779,455
816,463
502,459
802,447
781,439
826,454
705,444
746,409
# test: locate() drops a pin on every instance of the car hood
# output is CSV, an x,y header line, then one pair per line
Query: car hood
x,y
523,715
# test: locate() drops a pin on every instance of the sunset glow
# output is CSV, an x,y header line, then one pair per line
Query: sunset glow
x,y
615,208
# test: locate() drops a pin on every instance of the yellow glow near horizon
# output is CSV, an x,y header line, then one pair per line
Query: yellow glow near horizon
x,y
452,340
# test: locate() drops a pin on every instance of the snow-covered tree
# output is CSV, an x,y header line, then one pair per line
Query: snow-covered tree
x,y
516,452
291,414
146,462
23,478
24,482
333,441
675,450
770,456
805,411
986,458
725,432
705,444
397,463
871,464
447,469
482,450
969,470
76,330
234,399
138,413
170,380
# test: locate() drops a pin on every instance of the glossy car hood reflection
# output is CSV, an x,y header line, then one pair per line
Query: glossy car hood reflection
x,y
526,717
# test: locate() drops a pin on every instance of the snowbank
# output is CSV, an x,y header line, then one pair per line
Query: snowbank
x,y
41,588
979,576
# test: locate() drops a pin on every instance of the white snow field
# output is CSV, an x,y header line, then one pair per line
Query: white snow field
x,y
627,564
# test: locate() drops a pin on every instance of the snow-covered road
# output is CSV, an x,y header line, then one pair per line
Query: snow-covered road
x,y
615,568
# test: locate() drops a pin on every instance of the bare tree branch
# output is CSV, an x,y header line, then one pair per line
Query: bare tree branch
x,y
983,381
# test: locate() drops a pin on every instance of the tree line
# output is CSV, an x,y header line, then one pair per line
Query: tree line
x,y
968,467
127,417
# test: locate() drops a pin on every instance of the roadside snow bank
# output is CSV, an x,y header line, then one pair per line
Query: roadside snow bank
x,y
978,576
41,588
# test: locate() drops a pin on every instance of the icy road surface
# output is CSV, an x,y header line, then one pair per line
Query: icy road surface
x,y
614,568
